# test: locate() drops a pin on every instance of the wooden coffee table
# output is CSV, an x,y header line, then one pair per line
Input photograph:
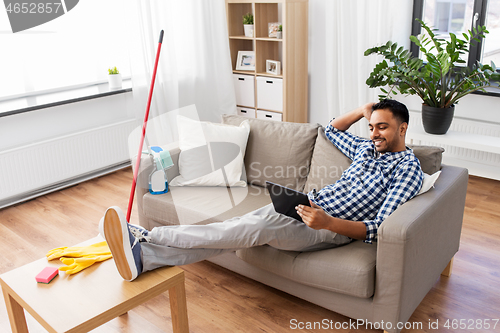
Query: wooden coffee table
x,y
86,300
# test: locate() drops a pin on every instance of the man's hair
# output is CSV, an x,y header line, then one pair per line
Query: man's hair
x,y
399,110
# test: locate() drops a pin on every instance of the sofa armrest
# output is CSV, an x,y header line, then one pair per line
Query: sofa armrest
x,y
145,169
415,243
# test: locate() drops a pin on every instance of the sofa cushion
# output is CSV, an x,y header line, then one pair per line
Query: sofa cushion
x,y
279,152
348,269
211,154
327,163
203,205
430,157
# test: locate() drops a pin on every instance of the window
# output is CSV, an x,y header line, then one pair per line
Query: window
x,y
491,51
74,49
459,16
448,16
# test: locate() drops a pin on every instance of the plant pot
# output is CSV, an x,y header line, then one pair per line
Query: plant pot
x,y
248,30
437,120
115,81
279,34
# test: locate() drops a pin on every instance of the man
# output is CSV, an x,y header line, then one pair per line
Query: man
x,y
383,175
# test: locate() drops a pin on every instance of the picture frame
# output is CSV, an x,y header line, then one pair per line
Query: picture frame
x,y
273,67
272,29
245,61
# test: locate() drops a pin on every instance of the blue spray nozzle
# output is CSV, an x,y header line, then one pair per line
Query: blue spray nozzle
x,y
156,149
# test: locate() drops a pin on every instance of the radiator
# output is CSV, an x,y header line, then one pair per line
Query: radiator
x,y
42,167
479,163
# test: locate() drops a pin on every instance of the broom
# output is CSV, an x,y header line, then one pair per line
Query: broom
x,y
146,116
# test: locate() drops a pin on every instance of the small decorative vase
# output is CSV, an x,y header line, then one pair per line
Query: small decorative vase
x,y
115,81
437,120
248,30
279,34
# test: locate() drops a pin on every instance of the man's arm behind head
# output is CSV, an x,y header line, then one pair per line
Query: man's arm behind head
x,y
345,121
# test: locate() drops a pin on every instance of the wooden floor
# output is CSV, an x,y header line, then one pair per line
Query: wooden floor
x,y
222,301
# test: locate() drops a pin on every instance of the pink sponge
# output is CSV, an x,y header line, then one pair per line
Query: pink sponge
x,y
47,275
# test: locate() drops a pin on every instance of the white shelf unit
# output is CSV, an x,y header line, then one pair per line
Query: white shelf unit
x,y
291,50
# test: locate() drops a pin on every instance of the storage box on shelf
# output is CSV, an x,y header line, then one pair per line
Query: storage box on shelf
x,y
278,97
269,93
244,87
246,112
269,115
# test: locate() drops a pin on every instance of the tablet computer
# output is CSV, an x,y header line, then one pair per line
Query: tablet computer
x,y
285,199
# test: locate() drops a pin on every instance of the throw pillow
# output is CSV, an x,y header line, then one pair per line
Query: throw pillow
x,y
279,152
211,154
429,181
327,163
430,157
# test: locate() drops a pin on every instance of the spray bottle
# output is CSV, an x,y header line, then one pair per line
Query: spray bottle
x,y
158,183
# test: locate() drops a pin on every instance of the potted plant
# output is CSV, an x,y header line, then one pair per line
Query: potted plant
x,y
248,24
114,79
280,31
439,82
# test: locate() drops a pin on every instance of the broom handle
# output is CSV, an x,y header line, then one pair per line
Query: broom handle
x,y
146,116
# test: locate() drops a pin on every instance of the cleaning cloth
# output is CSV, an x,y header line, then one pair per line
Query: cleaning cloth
x,y
164,161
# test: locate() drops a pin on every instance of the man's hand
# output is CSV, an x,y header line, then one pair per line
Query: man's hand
x,y
345,121
367,110
314,216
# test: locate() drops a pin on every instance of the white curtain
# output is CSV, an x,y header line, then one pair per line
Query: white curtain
x,y
194,69
339,33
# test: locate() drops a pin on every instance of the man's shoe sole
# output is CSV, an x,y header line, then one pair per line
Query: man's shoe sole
x,y
117,235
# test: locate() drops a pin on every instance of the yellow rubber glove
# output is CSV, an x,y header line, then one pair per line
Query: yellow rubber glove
x,y
75,265
79,251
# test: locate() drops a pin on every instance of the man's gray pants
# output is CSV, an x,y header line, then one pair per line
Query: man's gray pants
x,y
185,244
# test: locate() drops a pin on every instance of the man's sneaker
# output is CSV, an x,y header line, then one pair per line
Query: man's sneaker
x,y
125,248
139,232
142,234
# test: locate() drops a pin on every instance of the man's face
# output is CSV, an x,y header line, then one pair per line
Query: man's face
x,y
386,132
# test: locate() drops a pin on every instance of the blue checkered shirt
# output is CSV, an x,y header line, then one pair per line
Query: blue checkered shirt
x,y
373,186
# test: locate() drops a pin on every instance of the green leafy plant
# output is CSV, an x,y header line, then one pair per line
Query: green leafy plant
x,y
248,18
280,27
112,71
439,82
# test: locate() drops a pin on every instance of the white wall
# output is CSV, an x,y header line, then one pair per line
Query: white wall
x,y
339,34
47,123
47,149
35,126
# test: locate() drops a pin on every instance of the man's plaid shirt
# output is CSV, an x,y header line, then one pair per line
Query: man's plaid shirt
x,y
373,186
